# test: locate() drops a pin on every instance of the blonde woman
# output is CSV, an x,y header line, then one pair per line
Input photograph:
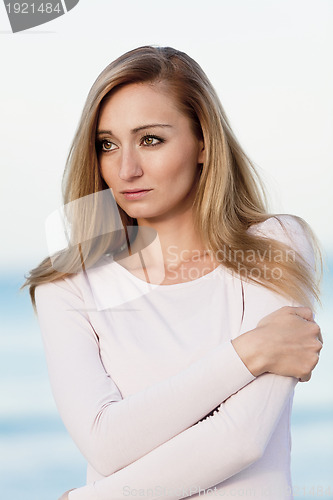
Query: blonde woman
x,y
174,343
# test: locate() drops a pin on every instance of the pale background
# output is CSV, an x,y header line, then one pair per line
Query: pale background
x,y
271,64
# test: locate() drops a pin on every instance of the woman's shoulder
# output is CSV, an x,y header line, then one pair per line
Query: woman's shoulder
x,y
76,290
279,224
289,229
64,287
74,281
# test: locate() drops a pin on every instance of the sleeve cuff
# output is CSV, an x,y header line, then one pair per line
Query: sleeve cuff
x,y
237,366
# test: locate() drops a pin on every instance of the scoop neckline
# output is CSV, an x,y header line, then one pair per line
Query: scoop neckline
x,y
172,286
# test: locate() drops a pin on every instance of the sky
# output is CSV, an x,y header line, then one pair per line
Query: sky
x,y
269,61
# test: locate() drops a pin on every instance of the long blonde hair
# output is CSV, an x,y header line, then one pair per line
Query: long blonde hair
x,y
230,197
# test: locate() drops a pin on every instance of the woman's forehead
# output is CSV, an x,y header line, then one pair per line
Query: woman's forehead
x,y
136,103
157,91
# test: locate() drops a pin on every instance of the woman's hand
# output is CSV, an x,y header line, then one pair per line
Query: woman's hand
x,y
65,495
286,342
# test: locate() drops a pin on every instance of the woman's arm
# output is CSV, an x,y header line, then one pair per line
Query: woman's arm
x,y
207,453
111,432
215,448
111,435
223,444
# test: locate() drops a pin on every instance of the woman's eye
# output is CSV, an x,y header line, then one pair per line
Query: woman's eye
x,y
151,140
148,140
106,145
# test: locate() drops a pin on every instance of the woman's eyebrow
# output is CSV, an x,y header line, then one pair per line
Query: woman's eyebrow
x,y
137,129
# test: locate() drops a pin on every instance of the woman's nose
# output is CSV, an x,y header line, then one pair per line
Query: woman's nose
x,y
130,165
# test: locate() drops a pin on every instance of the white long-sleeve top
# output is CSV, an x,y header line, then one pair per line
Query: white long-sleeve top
x,y
134,369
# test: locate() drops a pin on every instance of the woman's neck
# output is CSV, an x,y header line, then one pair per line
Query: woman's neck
x,y
175,241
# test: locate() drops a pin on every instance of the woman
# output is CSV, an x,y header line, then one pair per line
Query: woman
x,y
174,342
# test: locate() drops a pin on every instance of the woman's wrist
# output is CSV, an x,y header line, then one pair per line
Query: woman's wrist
x,y
250,348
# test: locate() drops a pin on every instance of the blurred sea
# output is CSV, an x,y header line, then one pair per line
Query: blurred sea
x,y
39,461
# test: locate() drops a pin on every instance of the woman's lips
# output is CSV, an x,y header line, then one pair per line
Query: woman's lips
x,y
137,194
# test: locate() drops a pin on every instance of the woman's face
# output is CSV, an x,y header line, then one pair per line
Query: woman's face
x,y
145,143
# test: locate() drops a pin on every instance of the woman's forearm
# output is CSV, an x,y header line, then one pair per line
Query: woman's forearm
x,y
110,431
205,454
